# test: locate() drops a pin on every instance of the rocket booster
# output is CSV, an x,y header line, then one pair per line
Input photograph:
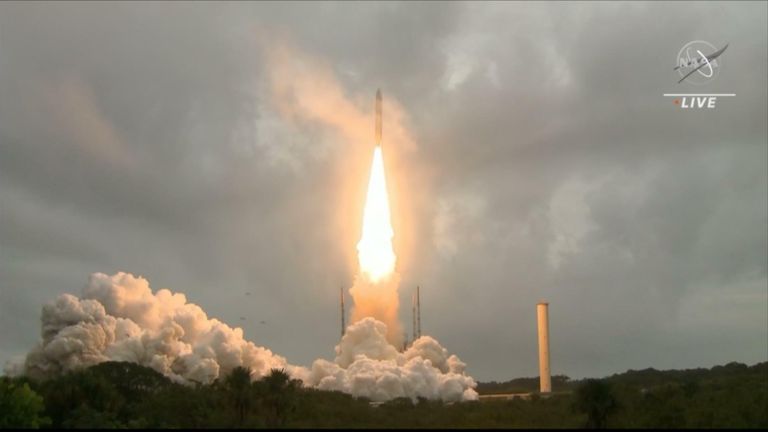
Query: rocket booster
x,y
378,117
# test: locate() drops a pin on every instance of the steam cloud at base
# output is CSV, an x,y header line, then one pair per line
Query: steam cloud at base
x,y
367,365
119,318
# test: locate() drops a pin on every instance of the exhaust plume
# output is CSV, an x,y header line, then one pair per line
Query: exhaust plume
x,y
375,254
119,318
375,291
367,365
305,90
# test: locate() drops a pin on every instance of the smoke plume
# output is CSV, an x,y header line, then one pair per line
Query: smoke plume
x,y
305,90
367,365
119,318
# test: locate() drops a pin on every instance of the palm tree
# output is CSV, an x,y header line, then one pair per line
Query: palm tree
x,y
279,396
238,386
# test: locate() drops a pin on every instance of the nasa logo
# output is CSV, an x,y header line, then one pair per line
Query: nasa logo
x,y
694,66
698,62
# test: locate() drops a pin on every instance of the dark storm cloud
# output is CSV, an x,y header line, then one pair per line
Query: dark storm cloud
x,y
140,137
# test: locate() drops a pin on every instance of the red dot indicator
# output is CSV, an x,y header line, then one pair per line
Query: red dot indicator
x,y
677,101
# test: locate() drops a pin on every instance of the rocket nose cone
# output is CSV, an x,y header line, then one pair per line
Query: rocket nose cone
x,y
378,117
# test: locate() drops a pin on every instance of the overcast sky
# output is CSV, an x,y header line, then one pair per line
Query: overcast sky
x,y
543,163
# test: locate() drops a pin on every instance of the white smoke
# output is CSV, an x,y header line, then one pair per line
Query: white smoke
x,y
367,365
119,318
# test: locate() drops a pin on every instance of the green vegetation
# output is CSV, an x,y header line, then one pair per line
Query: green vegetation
x,y
20,406
125,395
595,399
524,385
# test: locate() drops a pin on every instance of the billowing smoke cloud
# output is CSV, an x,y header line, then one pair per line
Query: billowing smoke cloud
x,y
367,365
119,318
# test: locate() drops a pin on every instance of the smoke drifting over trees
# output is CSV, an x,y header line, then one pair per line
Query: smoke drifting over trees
x,y
119,318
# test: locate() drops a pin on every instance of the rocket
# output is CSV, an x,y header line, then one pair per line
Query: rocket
x,y
378,117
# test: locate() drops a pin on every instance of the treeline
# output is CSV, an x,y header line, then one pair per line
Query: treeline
x,y
645,378
524,385
734,395
125,395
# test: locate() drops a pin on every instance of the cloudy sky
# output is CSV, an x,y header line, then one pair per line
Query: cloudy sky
x,y
222,149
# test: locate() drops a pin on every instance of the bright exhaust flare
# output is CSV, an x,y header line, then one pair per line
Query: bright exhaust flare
x,y
374,251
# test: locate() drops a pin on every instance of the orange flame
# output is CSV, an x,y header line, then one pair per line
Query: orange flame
x,y
374,251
